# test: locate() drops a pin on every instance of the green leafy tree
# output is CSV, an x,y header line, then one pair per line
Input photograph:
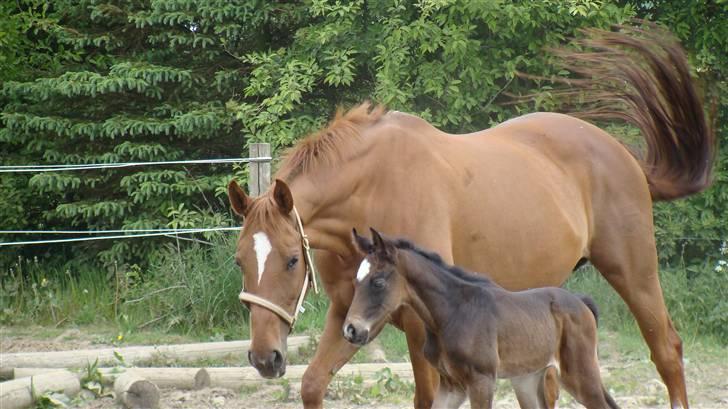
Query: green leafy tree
x,y
177,79
110,81
91,81
142,82
693,230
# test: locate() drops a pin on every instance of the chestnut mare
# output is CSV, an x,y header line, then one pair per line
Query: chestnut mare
x,y
487,333
526,201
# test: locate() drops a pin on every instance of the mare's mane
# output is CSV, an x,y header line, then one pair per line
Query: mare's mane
x,y
331,145
327,147
441,265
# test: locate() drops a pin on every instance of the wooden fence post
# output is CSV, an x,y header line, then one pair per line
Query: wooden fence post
x,y
259,174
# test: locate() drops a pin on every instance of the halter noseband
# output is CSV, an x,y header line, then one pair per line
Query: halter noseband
x,y
309,278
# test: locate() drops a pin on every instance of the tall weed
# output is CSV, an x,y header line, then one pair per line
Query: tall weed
x,y
696,297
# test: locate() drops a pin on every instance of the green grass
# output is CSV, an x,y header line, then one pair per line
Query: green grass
x,y
193,293
696,298
394,344
44,295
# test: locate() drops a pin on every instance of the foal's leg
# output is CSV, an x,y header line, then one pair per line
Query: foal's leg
x,y
580,377
626,256
448,395
579,364
549,388
481,390
538,390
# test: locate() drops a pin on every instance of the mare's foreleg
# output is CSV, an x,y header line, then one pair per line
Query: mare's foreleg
x,y
332,353
426,377
333,350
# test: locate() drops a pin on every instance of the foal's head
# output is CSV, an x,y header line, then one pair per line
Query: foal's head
x,y
379,289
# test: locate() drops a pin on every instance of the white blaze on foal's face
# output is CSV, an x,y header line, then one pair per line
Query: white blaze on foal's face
x,y
262,248
363,271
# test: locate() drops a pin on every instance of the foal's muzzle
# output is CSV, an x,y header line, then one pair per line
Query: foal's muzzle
x,y
270,366
356,334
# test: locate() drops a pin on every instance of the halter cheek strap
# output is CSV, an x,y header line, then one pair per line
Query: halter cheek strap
x,y
309,278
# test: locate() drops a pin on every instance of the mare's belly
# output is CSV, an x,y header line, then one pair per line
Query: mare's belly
x,y
523,222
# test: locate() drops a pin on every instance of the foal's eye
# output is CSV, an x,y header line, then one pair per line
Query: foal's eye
x,y
292,262
378,283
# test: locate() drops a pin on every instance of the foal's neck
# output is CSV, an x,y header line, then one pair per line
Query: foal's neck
x,y
429,289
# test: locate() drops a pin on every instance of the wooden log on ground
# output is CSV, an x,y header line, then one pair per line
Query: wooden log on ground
x,y
178,378
132,355
135,392
21,393
234,378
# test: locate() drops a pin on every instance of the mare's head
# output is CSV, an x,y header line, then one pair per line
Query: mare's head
x,y
270,255
379,289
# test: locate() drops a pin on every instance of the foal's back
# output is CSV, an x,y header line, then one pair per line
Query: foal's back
x,y
531,326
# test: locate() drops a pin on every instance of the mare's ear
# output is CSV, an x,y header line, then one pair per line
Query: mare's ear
x,y
239,201
362,243
381,247
283,197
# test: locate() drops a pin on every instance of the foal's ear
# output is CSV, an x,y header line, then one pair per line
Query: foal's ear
x,y
239,201
362,243
283,197
380,246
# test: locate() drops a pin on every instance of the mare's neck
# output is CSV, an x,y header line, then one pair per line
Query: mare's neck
x,y
430,291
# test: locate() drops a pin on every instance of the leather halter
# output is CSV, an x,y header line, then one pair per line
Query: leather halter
x,y
309,278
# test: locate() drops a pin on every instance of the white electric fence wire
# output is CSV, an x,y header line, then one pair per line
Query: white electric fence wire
x,y
60,168
108,231
123,236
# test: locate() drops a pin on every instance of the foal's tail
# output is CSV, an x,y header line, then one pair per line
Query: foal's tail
x,y
589,302
610,400
642,76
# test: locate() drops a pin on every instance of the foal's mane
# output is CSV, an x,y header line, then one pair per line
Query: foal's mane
x,y
330,146
441,265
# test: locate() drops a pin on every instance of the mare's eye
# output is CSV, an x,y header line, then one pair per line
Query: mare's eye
x,y
378,283
292,262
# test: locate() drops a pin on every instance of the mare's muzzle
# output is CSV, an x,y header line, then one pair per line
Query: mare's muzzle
x,y
272,365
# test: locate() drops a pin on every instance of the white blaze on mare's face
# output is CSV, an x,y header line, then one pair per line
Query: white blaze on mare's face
x,y
363,270
262,248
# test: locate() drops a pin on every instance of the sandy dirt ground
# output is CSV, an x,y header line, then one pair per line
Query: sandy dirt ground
x,y
630,377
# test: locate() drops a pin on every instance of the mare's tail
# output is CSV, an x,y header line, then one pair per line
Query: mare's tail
x,y
589,302
642,76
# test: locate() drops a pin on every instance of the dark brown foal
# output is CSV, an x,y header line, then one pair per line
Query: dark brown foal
x,y
477,331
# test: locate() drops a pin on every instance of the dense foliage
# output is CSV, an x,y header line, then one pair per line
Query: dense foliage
x,y
689,229
113,81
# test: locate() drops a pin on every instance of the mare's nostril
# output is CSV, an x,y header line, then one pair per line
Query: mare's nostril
x,y
277,359
250,358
